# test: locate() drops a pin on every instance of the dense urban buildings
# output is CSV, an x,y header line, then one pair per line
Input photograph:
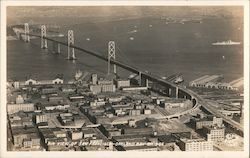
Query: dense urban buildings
x,y
98,114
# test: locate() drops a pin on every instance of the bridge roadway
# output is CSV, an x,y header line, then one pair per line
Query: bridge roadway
x,y
199,100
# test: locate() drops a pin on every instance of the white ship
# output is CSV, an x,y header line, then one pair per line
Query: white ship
x,y
229,42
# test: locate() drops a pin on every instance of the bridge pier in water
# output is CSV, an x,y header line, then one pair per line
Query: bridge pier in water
x,y
56,47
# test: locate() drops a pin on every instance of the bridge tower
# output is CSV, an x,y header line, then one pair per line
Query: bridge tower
x,y
26,32
71,51
44,43
111,55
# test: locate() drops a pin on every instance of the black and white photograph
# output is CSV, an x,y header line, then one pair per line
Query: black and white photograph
x,y
156,78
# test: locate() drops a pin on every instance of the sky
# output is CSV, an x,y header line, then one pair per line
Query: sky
x,y
17,13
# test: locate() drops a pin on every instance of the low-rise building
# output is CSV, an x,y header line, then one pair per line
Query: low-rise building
x,y
56,99
49,90
137,130
114,99
19,99
195,145
88,132
214,133
66,119
150,106
41,118
68,89
31,82
57,81
147,111
108,88
56,106
60,134
76,135
198,123
159,101
135,112
122,83
95,89
109,130
43,82
26,107
26,138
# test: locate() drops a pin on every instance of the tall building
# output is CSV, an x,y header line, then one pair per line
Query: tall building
x,y
94,79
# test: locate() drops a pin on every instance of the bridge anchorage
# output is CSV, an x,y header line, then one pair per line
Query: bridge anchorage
x,y
71,51
26,32
44,43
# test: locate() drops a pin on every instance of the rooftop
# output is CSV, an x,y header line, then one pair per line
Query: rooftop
x,y
21,130
192,140
88,130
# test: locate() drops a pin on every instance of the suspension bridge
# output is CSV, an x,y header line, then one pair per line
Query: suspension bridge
x,y
170,89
